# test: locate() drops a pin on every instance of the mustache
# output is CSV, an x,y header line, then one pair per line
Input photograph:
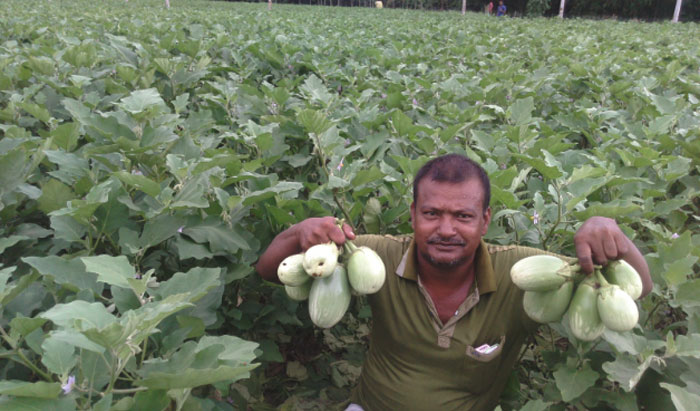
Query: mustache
x,y
442,240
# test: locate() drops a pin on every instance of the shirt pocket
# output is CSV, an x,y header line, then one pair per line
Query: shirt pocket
x,y
481,365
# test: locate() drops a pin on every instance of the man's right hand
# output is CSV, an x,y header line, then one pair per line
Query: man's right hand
x,y
297,239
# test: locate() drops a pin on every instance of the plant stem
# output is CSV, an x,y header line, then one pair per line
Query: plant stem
x,y
25,361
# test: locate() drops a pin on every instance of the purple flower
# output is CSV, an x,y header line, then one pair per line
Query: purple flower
x,y
68,386
674,236
179,230
136,172
535,217
383,95
415,102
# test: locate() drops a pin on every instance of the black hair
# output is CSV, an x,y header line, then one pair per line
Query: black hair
x,y
453,168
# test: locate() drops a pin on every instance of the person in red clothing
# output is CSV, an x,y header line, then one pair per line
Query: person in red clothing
x,y
489,8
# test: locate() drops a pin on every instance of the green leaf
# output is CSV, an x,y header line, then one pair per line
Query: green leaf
x,y
367,176
111,270
196,282
687,295
139,182
520,112
314,121
286,189
141,100
688,346
316,90
218,235
572,382
67,228
8,242
626,371
612,209
38,404
58,356
683,399
159,229
69,273
23,326
79,314
547,171
54,195
39,389
190,378
678,272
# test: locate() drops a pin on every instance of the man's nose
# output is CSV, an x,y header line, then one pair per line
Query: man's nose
x,y
446,227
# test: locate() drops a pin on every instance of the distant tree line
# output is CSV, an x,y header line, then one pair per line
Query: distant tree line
x,y
622,9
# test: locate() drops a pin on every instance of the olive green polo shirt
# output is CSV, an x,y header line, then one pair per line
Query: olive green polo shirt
x,y
415,362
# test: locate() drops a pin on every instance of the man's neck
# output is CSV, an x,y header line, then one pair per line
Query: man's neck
x,y
445,278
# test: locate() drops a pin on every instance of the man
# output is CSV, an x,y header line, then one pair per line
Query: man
x,y
501,10
447,294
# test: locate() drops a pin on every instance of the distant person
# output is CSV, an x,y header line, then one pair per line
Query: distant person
x,y
489,8
501,11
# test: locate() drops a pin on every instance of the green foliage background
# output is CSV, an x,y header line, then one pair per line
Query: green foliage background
x,y
148,155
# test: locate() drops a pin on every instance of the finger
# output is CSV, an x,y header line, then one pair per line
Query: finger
x,y
609,248
583,252
348,231
598,253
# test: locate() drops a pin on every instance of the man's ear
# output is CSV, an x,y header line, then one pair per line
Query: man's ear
x,y
487,221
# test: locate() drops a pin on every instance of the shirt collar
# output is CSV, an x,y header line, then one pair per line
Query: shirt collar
x,y
485,277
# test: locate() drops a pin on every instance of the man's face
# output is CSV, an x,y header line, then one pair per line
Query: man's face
x,y
448,222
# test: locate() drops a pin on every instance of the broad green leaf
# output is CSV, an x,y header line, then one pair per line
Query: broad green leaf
x,y
58,356
367,176
69,273
520,112
12,166
218,235
631,343
67,228
71,167
626,371
76,339
8,242
39,404
54,195
79,314
196,282
188,249
683,399
572,382
190,378
678,272
23,325
110,270
39,389
314,121
316,90
613,209
8,292
139,182
687,295
159,229
141,100
541,166
286,189
688,345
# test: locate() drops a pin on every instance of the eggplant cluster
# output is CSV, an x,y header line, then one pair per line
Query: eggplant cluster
x,y
327,276
603,300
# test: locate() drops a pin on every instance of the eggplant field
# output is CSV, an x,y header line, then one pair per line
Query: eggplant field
x,y
148,156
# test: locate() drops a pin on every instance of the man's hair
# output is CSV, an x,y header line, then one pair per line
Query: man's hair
x,y
453,168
